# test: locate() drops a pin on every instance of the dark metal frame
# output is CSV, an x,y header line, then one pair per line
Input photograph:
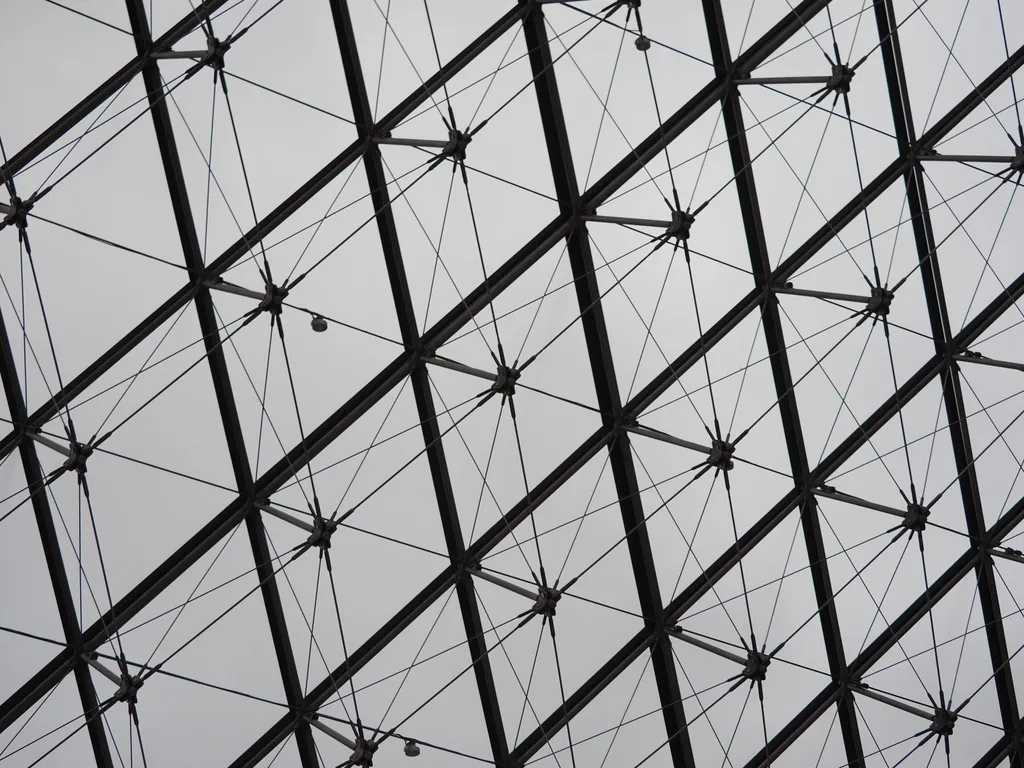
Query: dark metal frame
x,y
615,414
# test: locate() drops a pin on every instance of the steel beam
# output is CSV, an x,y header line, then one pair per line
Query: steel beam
x,y
315,442
212,340
38,489
153,584
206,538
420,380
713,572
241,247
111,86
775,341
956,412
871,654
609,400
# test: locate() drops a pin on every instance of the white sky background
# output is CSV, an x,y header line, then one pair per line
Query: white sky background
x,y
165,470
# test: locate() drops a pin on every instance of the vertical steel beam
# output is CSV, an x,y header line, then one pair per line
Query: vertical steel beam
x,y
775,341
956,412
221,379
420,379
37,485
595,331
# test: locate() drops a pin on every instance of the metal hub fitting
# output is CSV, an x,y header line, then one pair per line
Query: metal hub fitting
x,y
721,455
547,599
880,301
273,299
756,668
322,531
215,52
77,460
457,143
680,226
943,722
841,79
505,382
916,518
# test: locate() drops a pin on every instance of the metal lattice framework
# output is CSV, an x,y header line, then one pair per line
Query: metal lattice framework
x,y
850,196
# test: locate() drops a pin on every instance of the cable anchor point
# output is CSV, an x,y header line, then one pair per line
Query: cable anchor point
x,y
456,146
916,518
721,455
756,668
505,380
943,722
273,299
16,212
880,302
841,79
679,227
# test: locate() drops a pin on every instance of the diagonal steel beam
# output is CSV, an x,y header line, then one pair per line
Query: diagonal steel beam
x,y
775,342
39,488
219,373
956,412
595,332
316,441
420,379
916,611
112,85
241,247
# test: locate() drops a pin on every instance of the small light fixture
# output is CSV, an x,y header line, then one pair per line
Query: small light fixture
x,y
318,324
412,749
642,43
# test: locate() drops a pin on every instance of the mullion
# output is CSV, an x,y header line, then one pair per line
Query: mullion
x,y
434,449
781,373
194,259
959,431
609,400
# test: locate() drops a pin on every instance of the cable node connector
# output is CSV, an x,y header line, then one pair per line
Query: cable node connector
x,y
943,722
323,529
916,518
756,668
505,381
679,227
273,299
215,50
841,79
721,455
880,302
456,146
16,212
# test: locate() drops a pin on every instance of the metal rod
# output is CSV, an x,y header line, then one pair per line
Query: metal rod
x,y
435,143
94,663
52,444
180,54
686,638
331,732
519,590
235,289
282,515
629,221
823,294
453,366
998,159
845,497
783,80
989,361
894,703
1006,555
671,439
